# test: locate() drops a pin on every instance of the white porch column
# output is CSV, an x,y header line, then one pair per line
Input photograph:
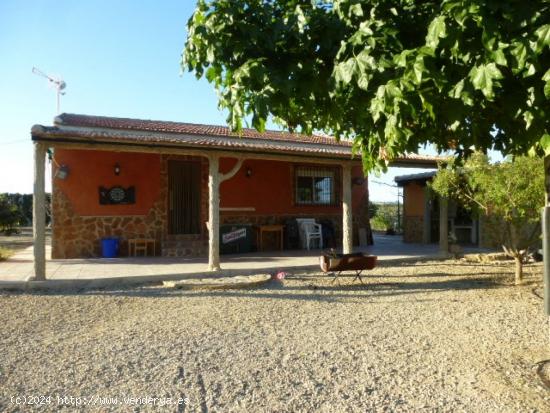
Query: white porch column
x,y
426,228
443,225
213,213
347,226
39,212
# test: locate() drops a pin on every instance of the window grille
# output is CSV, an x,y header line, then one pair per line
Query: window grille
x,y
316,185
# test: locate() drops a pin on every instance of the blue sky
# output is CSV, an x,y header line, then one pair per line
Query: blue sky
x,y
118,58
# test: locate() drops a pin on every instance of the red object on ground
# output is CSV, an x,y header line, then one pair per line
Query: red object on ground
x,y
279,276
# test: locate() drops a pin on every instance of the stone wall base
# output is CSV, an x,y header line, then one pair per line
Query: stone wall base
x,y
77,236
413,228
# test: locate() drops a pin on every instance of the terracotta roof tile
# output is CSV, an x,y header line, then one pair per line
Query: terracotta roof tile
x,y
102,129
69,119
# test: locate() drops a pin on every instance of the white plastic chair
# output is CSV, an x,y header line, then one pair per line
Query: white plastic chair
x,y
309,230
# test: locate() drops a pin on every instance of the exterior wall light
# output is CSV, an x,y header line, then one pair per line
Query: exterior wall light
x,y
62,172
117,169
358,181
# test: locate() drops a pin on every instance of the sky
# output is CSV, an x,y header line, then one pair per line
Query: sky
x,y
118,58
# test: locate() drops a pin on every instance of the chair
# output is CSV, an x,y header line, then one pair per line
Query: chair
x,y
309,230
140,246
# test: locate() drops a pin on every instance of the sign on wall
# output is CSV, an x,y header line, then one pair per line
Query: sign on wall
x,y
234,235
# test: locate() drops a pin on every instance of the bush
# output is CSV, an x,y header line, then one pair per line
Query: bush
x,y
9,215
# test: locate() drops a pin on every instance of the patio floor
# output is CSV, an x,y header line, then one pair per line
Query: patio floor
x,y
20,266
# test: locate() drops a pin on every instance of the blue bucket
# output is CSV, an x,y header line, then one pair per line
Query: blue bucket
x,y
109,247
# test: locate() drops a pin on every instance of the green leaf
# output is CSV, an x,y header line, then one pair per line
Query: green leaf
x,y
519,51
365,61
543,37
344,71
436,31
378,104
418,68
427,106
356,10
483,78
258,122
363,82
545,143
393,90
301,18
210,57
456,91
546,78
528,118
499,58
211,74
401,59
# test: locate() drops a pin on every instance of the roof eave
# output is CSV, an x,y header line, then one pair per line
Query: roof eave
x,y
46,134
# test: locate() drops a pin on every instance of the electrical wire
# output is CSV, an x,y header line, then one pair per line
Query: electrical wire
x,y
17,141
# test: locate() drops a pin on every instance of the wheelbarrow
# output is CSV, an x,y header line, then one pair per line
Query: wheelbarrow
x,y
357,262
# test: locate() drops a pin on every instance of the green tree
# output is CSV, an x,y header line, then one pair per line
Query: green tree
x,y
389,74
385,218
373,208
509,194
9,215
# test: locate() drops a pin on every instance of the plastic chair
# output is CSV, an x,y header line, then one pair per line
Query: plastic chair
x,y
309,230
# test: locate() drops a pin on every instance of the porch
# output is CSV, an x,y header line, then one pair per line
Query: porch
x,y
100,272
176,183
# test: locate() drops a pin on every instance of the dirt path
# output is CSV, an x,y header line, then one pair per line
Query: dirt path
x,y
427,336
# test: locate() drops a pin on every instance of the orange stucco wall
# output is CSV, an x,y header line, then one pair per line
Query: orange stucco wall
x,y
270,188
413,199
90,169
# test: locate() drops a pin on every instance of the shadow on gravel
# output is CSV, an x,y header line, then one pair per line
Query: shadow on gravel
x,y
316,292
366,276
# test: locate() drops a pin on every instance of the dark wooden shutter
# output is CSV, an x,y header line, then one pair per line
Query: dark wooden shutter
x,y
184,178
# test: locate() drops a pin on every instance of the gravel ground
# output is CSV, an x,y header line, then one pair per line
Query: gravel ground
x,y
436,336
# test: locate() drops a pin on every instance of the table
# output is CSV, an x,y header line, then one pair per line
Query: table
x,y
270,228
141,244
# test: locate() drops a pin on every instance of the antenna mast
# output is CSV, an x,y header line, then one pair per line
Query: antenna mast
x,y
57,83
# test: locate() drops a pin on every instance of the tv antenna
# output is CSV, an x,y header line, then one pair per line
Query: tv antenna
x,y
58,83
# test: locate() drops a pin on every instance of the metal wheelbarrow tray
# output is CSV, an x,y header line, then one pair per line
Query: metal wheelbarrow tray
x,y
357,262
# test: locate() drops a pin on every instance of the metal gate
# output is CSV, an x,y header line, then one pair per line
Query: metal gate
x,y
184,192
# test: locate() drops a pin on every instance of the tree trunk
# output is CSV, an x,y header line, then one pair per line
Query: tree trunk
x,y
519,269
546,239
347,226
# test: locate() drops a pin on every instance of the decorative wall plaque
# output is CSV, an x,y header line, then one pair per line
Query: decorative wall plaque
x,y
117,195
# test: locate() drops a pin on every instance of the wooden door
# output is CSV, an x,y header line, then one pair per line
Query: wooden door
x,y
184,197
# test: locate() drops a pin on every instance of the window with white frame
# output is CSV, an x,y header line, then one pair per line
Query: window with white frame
x,y
315,186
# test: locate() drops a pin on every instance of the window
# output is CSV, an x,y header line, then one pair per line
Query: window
x,y
315,186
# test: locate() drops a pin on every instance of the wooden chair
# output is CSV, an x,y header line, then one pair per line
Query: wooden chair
x,y
140,245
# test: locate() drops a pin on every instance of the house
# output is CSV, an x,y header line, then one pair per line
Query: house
x,y
423,212
177,183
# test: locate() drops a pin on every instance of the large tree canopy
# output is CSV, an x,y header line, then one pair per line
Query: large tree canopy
x,y
390,74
